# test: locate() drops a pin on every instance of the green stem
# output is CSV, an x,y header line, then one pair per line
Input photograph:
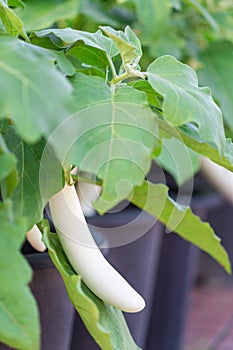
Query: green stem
x,y
86,179
119,78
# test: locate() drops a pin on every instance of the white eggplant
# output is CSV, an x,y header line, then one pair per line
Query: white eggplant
x,y
87,194
34,237
84,255
220,177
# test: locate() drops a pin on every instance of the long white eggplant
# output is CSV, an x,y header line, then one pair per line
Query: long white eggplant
x,y
220,177
85,256
87,194
34,237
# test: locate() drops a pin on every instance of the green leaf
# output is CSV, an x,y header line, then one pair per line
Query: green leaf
x,y
63,63
217,63
188,136
7,160
7,164
37,16
181,162
40,176
19,319
127,43
154,199
105,323
93,49
35,93
89,90
8,169
16,3
11,21
89,55
144,85
113,137
71,36
184,101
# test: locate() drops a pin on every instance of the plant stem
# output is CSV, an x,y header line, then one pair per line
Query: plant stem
x,y
112,67
121,77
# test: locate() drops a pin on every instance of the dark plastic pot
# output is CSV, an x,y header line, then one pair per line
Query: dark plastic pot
x,y
56,310
221,219
137,262
177,272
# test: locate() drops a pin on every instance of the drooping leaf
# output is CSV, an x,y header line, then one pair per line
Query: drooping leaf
x,y
40,176
184,101
92,49
105,323
215,71
35,93
38,14
181,162
11,21
71,36
19,319
187,135
154,199
127,43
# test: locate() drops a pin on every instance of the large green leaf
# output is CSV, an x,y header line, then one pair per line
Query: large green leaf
x,y
40,176
113,139
184,101
39,14
11,21
215,71
188,136
19,319
154,199
105,323
34,92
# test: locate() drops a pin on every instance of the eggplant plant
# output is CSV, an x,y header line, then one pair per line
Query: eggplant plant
x,y
75,98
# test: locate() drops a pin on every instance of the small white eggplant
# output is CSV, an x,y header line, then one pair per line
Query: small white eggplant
x,y
220,177
34,237
84,255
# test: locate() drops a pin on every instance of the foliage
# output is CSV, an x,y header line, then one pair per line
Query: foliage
x,y
77,91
